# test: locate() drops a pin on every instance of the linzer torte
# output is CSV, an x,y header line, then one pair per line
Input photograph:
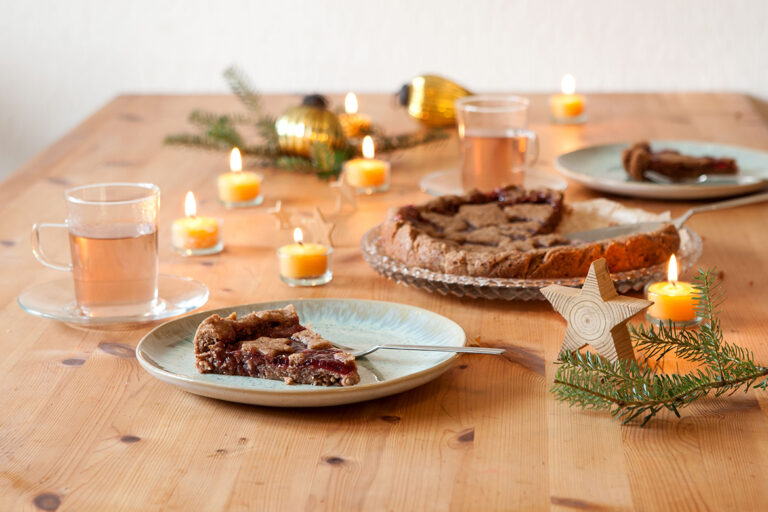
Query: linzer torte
x,y
510,233
271,344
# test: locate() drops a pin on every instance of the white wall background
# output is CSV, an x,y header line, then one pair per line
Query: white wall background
x,y
61,60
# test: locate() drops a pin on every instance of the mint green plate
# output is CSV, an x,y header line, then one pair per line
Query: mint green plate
x,y
167,352
599,167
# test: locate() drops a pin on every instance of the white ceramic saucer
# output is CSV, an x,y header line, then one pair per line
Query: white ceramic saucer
x,y
56,300
448,182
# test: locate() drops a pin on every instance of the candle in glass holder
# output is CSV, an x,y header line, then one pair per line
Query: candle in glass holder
x,y
239,188
304,264
193,235
568,107
673,300
367,175
354,124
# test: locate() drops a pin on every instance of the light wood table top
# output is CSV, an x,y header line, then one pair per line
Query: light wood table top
x,y
83,427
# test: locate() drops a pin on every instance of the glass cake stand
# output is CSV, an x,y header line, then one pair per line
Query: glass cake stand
x,y
515,289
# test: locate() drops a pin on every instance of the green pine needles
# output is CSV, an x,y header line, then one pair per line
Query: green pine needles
x,y
638,391
220,132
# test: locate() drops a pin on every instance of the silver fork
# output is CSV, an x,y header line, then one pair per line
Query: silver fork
x,y
723,179
428,348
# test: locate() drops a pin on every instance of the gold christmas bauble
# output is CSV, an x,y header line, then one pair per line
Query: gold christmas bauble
x,y
429,99
301,126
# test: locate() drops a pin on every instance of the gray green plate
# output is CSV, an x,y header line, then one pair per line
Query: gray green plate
x,y
167,352
599,167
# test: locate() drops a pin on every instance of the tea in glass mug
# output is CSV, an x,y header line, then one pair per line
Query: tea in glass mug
x,y
113,247
495,144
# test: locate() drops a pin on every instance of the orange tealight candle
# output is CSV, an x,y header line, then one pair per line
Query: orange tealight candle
x,y
353,123
238,187
367,175
568,107
304,264
672,300
193,235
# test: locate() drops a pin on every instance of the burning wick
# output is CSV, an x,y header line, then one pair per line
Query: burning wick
x,y
672,270
298,236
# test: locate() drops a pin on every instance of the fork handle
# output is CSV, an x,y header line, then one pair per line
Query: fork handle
x,y
437,348
721,205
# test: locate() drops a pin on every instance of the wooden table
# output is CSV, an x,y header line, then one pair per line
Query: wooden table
x,y
83,427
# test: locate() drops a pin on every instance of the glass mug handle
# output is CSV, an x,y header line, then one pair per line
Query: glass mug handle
x,y
532,151
37,250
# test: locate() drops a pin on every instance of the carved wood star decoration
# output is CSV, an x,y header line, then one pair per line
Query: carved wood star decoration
x,y
345,194
282,216
320,229
597,315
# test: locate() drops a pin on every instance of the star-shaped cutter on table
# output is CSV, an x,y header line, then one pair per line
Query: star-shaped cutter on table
x,y
597,315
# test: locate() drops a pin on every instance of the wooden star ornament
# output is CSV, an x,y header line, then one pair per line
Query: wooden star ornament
x,y
345,194
282,216
597,315
320,227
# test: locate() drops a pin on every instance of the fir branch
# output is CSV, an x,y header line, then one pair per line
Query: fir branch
x,y
265,126
206,119
389,143
220,133
198,141
630,391
243,89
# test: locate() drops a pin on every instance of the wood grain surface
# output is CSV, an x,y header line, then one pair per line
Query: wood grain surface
x,y
83,427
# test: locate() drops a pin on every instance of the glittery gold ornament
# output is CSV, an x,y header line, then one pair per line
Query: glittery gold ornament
x,y
301,126
429,99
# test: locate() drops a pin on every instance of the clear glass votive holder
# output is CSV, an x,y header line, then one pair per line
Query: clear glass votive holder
x,y
256,201
367,176
202,251
305,268
197,236
579,119
236,189
666,322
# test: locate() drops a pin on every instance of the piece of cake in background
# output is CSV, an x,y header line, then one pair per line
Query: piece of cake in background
x,y
640,158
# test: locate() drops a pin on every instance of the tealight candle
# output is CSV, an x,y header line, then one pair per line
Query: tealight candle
x,y
353,123
568,107
304,264
673,300
367,175
193,235
239,188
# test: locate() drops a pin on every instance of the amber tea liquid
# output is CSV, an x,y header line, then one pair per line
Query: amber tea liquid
x,y
115,269
492,159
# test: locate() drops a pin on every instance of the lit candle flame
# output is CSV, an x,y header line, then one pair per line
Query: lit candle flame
x,y
568,84
190,205
235,160
298,236
672,270
350,103
368,147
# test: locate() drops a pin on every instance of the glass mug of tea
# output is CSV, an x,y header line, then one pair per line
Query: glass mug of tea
x,y
113,245
496,145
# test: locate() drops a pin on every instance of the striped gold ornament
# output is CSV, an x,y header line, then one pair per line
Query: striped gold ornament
x,y
430,99
301,126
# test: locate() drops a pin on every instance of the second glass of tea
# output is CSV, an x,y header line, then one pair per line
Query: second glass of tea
x,y
495,142
113,245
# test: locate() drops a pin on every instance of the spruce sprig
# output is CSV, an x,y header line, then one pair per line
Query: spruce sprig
x,y
220,132
242,87
632,391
